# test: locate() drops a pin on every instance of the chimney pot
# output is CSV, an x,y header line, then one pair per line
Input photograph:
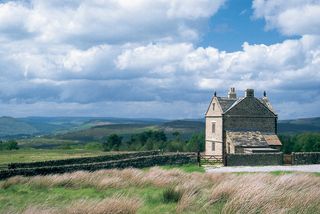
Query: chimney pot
x,y
249,93
232,93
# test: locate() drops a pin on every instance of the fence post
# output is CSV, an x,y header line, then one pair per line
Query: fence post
x,y
199,158
292,158
225,161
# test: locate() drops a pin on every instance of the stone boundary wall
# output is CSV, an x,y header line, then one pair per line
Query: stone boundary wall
x,y
299,158
83,160
255,159
137,162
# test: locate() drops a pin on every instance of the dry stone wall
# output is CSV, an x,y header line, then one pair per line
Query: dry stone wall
x,y
255,159
299,158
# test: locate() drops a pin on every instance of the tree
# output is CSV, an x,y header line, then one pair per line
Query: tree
x,y
113,143
174,146
287,144
196,143
176,135
9,145
305,142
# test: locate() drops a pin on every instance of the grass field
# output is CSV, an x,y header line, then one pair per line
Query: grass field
x,y
32,155
161,190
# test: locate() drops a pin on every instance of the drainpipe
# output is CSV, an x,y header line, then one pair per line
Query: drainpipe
x,y
224,157
276,124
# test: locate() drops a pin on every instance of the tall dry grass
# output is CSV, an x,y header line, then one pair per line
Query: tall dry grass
x,y
113,205
200,193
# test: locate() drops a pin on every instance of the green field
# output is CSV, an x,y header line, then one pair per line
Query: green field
x,y
32,155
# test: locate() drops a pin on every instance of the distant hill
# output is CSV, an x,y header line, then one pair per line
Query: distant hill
x,y
299,125
100,131
29,126
185,127
91,128
11,127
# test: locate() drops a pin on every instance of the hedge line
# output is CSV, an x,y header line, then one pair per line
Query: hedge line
x,y
137,162
255,159
84,160
299,158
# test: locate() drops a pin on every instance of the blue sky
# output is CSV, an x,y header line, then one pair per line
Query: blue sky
x,y
234,24
159,58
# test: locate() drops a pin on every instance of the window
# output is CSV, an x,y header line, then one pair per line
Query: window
x,y
213,127
213,146
213,106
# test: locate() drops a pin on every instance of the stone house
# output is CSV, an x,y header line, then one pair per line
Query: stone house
x,y
241,125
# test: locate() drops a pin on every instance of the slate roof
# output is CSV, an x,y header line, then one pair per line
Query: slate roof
x,y
266,102
253,139
259,150
226,102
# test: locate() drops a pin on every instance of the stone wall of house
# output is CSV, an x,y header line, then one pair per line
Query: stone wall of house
x,y
255,159
215,137
230,148
299,158
237,123
250,114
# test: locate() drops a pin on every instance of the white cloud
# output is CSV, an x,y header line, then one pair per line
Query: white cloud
x,y
160,72
91,55
286,61
193,9
111,21
291,17
12,15
153,56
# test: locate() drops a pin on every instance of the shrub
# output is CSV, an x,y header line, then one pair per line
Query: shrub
x,y
170,194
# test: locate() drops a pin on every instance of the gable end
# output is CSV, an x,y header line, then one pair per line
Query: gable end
x,y
250,106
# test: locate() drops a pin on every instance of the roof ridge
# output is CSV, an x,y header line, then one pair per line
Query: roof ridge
x,y
236,103
267,104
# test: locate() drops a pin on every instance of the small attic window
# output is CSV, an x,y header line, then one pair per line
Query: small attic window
x,y
213,106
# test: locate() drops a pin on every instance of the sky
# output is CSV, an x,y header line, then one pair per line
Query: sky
x,y
156,58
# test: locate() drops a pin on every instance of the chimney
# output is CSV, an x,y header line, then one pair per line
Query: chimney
x,y
249,93
232,93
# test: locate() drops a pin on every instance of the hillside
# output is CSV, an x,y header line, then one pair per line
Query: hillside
x,y
17,127
185,127
91,128
12,127
299,125
100,131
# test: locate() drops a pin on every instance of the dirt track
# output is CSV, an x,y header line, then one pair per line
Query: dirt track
x,y
298,168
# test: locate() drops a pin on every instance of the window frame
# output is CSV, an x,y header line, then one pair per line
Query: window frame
x,y
213,127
